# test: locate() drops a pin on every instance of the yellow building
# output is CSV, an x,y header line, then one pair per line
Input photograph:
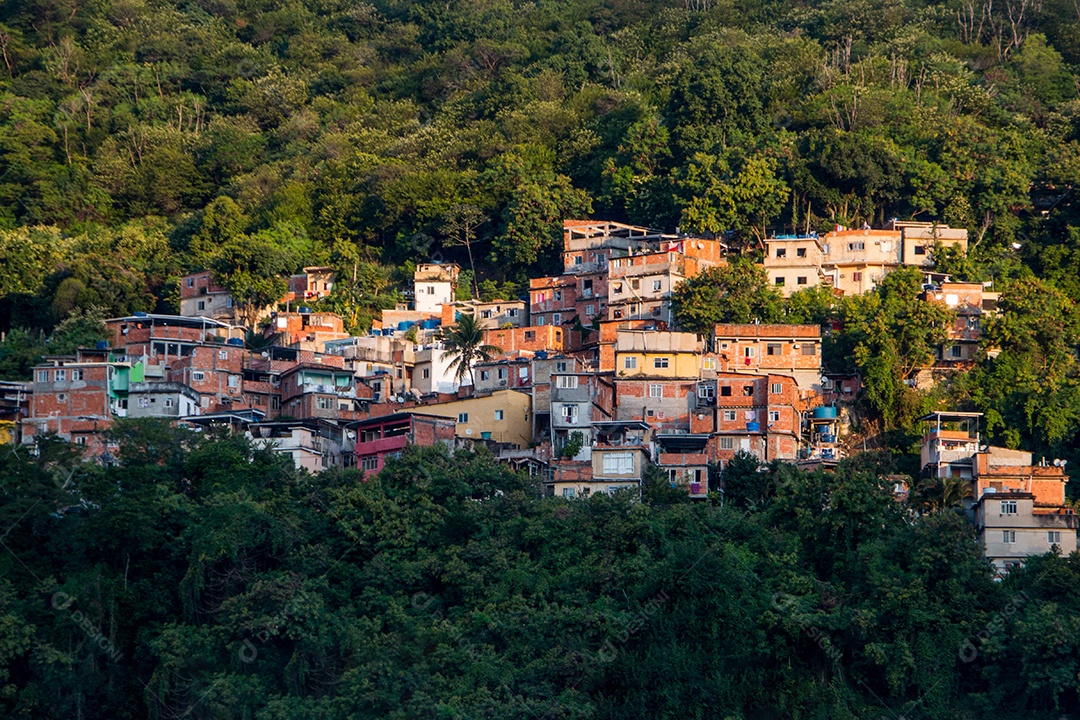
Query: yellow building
x,y
503,416
649,353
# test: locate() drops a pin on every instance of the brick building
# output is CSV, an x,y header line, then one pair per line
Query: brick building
x,y
381,438
752,348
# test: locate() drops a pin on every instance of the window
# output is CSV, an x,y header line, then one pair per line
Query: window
x,y
560,366
800,280
539,321
774,416
202,305
706,391
1008,507
569,414
657,285
774,349
578,259
621,463
61,397
973,322
566,381
590,310
748,390
656,391
43,376
729,416
568,493
61,375
630,363
725,391
749,352
616,314
800,252
168,402
856,276
512,312
1053,537
556,319
426,373
779,281
531,334
369,463
920,249
635,284
809,349
431,290
727,443
781,252
191,282
463,417
502,373
660,363
324,403
1008,536
617,289
485,314
198,375
498,414
76,374
709,363
540,297
80,440
557,295
234,382
856,246
776,388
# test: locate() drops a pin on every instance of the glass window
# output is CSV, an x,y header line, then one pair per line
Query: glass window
x,y
656,391
727,443
621,463
498,414
630,363
660,363
463,417
61,375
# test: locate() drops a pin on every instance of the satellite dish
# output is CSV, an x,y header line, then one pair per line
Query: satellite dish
x,y
398,398
824,380
1057,462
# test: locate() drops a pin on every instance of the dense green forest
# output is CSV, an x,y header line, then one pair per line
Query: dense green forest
x,y
204,578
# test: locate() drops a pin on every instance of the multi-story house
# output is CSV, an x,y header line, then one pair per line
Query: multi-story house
x,y
793,350
434,285
619,455
656,378
432,372
381,438
972,303
544,365
553,300
1018,506
854,261
757,414
215,372
508,373
200,296
310,390
314,283
160,340
313,444
685,460
78,401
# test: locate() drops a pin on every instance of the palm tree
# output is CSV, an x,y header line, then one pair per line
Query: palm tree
x,y
464,342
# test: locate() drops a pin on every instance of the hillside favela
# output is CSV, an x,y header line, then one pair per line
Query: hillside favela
x,y
560,359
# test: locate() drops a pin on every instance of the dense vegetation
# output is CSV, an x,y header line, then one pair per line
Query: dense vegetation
x,y
204,578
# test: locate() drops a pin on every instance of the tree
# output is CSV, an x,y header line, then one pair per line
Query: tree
x,y
737,292
464,343
461,223
252,268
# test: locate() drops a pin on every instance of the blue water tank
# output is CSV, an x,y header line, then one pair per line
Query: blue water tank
x,y
101,345
541,354
404,325
753,427
235,341
825,412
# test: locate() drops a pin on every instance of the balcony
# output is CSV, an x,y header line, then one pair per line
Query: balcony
x,y
382,445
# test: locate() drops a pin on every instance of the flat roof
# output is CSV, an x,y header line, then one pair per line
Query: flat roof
x,y
945,414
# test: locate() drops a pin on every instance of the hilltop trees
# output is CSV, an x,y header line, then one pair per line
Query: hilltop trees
x,y
736,292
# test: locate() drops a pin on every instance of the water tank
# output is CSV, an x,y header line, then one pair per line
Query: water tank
x,y
826,437
404,325
304,310
235,341
753,427
101,345
485,435
825,412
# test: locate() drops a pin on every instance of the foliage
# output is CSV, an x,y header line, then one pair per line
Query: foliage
x,y
737,292
464,344
203,575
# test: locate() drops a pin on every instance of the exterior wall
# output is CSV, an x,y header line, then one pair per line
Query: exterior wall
x,y
200,296
162,400
432,372
791,349
515,426
377,441
638,456
489,315
552,300
312,284
1029,526
689,471
664,404
533,339
503,375
308,330
433,285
